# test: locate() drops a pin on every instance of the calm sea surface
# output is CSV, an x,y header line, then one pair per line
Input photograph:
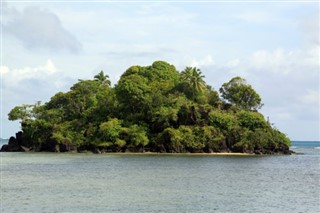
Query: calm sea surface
x,y
49,182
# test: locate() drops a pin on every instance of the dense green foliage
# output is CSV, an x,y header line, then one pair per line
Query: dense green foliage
x,y
152,108
238,92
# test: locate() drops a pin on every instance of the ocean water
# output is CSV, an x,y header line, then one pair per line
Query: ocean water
x,y
50,182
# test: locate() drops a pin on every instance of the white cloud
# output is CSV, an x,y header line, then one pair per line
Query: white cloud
x,y
275,61
285,62
39,28
204,62
233,63
14,76
38,82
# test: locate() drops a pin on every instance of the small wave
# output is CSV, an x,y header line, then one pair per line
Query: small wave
x,y
293,147
318,147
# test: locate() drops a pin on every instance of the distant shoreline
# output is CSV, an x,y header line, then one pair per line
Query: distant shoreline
x,y
166,154
153,153
183,154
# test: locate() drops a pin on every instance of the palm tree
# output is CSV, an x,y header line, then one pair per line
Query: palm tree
x,y
194,78
102,78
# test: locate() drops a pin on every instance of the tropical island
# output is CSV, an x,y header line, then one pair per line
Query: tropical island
x,y
151,109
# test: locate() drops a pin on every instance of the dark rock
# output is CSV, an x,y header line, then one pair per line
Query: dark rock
x,y
161,149
17,144
97,151
67,147
297,153
56,148
25,149
13,141
141,149
51,146
85,151
208,150
22,141
133,149
36,147
258,152
104,150
4,148
12,146
127,150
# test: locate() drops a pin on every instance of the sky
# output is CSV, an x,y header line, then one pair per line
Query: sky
x,y
47,46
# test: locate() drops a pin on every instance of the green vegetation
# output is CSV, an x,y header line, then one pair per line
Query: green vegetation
x,y
151,108
238,92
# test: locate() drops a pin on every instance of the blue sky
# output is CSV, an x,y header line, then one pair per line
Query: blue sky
x,y
46,47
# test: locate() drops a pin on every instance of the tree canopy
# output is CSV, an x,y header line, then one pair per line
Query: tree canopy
x,y
241,94
102,78
194,80
151,108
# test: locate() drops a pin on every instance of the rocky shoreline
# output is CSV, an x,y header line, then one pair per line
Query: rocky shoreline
x,y
20,144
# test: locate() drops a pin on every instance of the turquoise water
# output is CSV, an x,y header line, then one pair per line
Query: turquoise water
x,y
49,182
306,147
